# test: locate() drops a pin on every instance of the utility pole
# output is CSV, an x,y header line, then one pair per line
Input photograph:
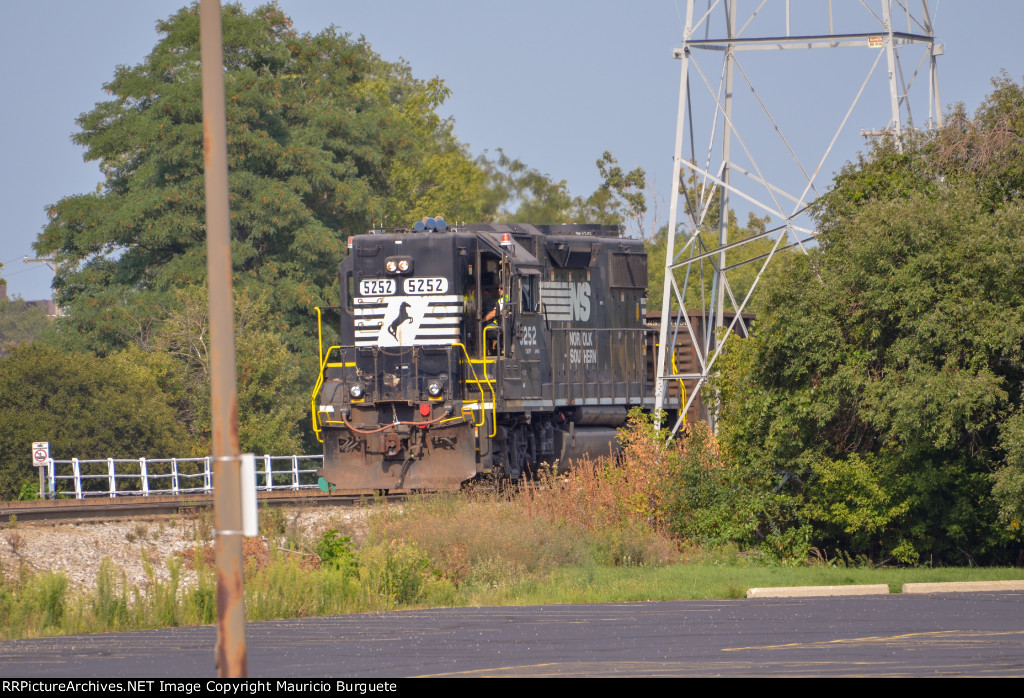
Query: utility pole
x,y
52,264
231,649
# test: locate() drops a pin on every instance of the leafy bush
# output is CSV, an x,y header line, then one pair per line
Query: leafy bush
x,y
335,551
684,487
29,491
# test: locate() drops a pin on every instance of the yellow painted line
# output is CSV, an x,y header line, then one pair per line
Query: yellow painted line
x,y
591,669
483,671
875,639
677,668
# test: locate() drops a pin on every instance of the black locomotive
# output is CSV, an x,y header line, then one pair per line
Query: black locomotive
x,y
481,349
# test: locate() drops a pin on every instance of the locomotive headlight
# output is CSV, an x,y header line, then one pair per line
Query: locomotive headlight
x,y
356,391
398,265
435,388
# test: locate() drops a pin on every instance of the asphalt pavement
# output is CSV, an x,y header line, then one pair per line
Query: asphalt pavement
x,y
951,634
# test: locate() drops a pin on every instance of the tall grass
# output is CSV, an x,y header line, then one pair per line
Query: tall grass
x,y
34,604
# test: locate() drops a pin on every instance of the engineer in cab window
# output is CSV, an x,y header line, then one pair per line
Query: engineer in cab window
x,y
492,320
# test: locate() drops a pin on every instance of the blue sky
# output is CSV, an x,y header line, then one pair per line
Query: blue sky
x,y
553,83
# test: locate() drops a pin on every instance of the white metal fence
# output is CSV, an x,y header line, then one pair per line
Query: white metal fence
x,y
115,477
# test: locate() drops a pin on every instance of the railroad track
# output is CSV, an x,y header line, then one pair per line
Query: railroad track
x,y
135,506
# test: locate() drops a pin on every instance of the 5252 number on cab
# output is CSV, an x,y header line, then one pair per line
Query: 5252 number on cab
x,y
426,285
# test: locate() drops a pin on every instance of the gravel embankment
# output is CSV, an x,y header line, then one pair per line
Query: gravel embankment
x,y
78,548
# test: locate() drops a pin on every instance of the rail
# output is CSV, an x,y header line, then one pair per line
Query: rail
x,y
124,477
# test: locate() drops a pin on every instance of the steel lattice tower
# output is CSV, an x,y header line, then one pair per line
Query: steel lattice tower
x,y
771,173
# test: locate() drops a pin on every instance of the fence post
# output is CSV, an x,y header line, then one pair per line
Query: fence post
x,y
266,468
174,475
145,476
295,472
111,478
51,478
76,470
206,476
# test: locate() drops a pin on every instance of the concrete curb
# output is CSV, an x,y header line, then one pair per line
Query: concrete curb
x,y
946,587
796,592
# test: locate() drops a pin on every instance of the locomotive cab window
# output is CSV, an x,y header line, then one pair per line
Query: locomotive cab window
x,y
529,293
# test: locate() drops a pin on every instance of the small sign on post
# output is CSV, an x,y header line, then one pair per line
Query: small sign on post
x,y
40,455
40,452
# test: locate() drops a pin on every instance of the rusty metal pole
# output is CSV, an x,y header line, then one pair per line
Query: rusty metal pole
x,y
227,512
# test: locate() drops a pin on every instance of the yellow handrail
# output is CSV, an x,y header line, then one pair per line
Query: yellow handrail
x,y
488,383
682,386
320,376
483,416
316,389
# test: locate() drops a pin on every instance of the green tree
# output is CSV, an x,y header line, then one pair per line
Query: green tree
x,y
85,406
740,276
883,385
527,195
20,323
272,399
619,199
324,139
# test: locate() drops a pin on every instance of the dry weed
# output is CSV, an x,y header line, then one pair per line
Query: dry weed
x,y
255,556
16,540
468,537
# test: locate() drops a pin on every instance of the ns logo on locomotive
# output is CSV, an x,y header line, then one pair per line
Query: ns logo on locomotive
x,y
478,350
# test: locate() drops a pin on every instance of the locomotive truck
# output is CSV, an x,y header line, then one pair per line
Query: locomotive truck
x,y
481,350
